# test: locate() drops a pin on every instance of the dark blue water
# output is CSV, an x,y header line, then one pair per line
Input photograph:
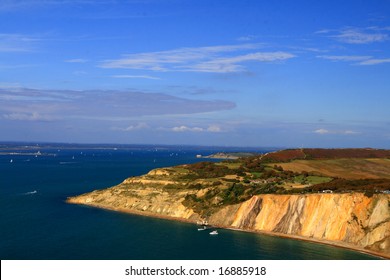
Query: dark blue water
x,y
36,223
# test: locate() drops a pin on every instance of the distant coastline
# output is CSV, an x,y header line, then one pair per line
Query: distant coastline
x,y
233,155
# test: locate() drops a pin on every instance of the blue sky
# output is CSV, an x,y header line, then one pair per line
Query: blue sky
x,y
241,73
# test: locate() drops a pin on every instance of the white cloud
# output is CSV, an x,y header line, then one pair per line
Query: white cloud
x,y
217,59
35,104
214,128
247,38
361,60
233,64
323,31
138,126
136,77
350,132
359,36
375,61
323,131
76,60
13,42
353,35
34,116
210,128
184,128
347,58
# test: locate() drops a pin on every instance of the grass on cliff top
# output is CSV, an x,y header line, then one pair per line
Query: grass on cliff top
x,y
208,186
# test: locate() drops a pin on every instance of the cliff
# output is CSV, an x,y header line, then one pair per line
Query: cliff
x,y
350,219
336,196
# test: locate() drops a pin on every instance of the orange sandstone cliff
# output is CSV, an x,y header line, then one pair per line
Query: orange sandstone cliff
x,y
353,220
350,219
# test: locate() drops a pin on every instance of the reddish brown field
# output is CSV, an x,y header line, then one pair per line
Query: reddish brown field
x,y
288,155
347,168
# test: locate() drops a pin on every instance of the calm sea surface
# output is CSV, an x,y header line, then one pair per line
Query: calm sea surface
x,y
36,223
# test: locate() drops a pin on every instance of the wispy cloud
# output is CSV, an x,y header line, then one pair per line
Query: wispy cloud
x,y
17,66
17,5
184,128
354,35
33,116
12,42
134,127
197,90
323,131
360,60
234,64
136,77
247,38
216,59
375,61
76,60
347,58
35,104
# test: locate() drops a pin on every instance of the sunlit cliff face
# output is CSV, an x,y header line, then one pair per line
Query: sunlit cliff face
x,y
350,219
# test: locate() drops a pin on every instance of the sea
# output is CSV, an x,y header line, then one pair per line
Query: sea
x,y
37,224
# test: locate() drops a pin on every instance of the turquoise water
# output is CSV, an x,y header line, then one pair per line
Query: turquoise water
x,y
36,223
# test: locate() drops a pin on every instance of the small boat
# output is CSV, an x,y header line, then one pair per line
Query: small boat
x,y
11,161
214,232
202,228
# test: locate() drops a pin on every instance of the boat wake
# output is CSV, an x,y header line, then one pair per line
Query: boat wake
x,y
30,193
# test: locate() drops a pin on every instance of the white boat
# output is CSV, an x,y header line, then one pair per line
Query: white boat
x,y
11,161
202,228
214,232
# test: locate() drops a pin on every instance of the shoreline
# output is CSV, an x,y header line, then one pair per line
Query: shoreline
x,y
269,233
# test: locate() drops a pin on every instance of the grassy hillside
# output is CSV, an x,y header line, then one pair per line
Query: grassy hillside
x,y
310,154
207,187
231,182
347,168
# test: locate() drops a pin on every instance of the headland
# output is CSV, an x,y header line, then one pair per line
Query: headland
x,y
339,197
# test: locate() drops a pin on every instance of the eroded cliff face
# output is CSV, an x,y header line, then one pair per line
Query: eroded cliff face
x,y
353,219
349,219
142,195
